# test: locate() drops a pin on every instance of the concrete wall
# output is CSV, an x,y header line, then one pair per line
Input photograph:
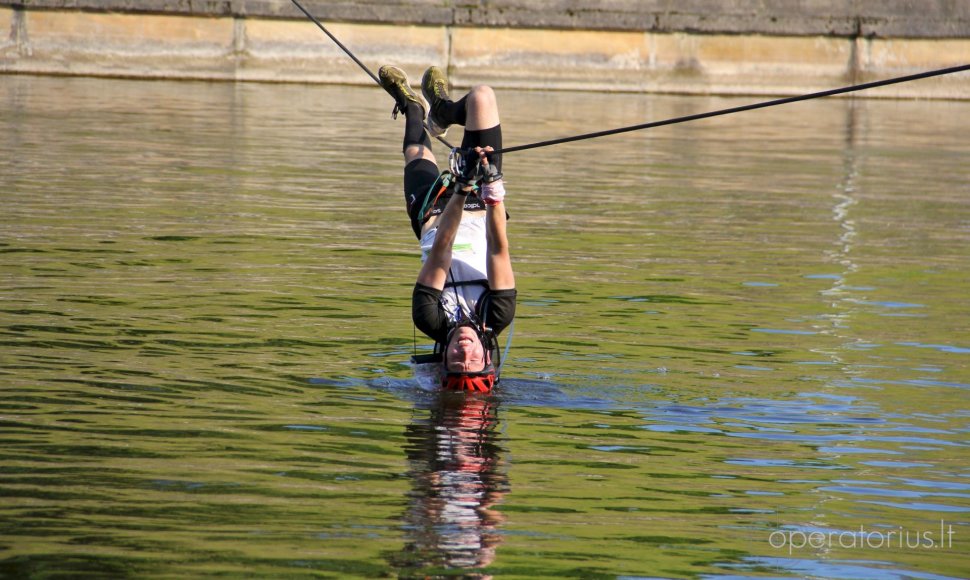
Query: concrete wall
x,y
766,47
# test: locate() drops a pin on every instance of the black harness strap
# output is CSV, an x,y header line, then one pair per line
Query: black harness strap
x,y
454,283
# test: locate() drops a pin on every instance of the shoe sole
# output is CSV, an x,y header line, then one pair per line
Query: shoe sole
x,y
435,129
402,77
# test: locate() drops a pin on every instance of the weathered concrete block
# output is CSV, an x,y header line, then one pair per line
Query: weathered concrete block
x,y
182,7
881,58
127,44
299,51
732,55
110,32
473,47
417,12
8,39
548,58
869,18
907,18
630,61
910,56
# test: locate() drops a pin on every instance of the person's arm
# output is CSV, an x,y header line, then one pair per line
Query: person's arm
x,y
428,314
499,262
434,272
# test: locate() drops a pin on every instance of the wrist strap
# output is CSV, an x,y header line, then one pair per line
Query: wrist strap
x,y
493,193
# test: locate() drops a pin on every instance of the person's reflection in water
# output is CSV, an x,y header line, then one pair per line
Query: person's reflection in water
x,y
456,468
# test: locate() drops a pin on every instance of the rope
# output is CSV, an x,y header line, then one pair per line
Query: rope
x,y
731,110
508,345
359,63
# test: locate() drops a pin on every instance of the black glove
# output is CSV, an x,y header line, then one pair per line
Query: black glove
x,y
469,168
491,175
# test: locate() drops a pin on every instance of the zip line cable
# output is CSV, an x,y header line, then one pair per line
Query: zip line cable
x,y
696,117
762,105
337,42
356,60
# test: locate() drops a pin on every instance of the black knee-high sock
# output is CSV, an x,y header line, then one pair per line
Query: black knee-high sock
x,y
484,138
414,133
452,112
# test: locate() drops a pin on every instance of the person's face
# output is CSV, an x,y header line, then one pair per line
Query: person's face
x,y
465,352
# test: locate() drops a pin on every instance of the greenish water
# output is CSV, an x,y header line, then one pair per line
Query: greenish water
x,y
742,345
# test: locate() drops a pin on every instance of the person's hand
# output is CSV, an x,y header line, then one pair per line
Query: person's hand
x,y
490,173
493,190
470,169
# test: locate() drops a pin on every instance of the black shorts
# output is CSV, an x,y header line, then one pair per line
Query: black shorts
x,y
421,185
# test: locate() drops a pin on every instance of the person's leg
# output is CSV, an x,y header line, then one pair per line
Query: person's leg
x,y
417,144
482,126
442,112
453,112
477,111
482,129
420,168
481,109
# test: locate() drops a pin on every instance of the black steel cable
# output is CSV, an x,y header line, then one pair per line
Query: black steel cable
x,y
357,60
762,105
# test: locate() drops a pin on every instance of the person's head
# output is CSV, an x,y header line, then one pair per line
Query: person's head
x,y
468,360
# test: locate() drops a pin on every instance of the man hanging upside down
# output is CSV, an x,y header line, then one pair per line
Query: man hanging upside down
x,y
465,292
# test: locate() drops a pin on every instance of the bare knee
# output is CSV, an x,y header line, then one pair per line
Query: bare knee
x,y
415,151
481,96
482,108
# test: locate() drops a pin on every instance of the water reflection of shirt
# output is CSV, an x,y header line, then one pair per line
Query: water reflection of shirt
x,y
454,459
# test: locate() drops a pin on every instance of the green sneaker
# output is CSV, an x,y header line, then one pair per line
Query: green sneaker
x,y
434,87
395,82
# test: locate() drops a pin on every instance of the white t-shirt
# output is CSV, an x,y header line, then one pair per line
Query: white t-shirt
x,y
468,264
